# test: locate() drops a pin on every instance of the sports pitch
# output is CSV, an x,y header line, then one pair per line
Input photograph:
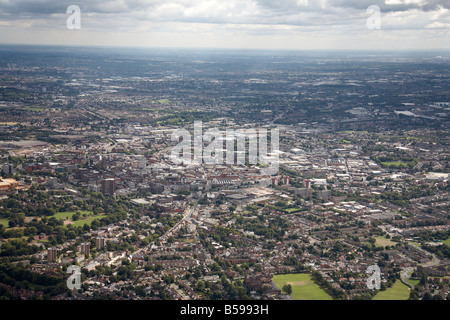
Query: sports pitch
x,y
303,288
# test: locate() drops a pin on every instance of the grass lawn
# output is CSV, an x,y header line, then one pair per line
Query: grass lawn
x,y
68,214
447,242
395,163
411,281
34,108
383,242
303,288
4,222
291,210
88,220
398,291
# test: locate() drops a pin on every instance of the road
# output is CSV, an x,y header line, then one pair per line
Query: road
x,y
404,272
187,215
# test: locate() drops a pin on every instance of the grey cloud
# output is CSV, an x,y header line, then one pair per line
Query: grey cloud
x,y
429,5
290,12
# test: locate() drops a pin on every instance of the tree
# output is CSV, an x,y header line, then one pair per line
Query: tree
x,y
287,288
200,286
427,296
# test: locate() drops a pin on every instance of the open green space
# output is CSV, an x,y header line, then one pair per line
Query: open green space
x,y
5,222
398,291
291,210
411,281
88,220
69,214
395,163
34,108
383,242
447,242
303,287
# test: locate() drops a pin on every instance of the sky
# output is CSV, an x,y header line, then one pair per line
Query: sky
x,y
247,24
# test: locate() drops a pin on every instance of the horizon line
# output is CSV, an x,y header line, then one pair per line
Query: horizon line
x,y
99,46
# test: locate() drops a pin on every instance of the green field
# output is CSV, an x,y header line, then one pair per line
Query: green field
x,y
34,108
383,242
395,163
398,291
68,214
447,242
4,222
303,288
411,281
88,220
291,210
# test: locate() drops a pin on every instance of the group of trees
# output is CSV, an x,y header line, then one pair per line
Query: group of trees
x,y
17,247
19,277
275,230
442,251
428,236
396,160
56,231
336,294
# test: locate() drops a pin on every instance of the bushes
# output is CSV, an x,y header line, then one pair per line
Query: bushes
x,y
13,233
17,248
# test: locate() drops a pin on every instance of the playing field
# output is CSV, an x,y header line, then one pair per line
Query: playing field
x,y
88,220
303,288
68,214
383,242
398,291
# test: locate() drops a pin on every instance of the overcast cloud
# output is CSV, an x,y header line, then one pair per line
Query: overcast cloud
x,y
293,24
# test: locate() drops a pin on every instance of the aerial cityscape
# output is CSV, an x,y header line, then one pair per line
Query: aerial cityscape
x,y
223,174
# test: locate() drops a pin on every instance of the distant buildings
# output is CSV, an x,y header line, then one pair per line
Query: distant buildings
x,y
8,169
7,184
51,254
85,248
100,243
307,183
142,163
108,187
